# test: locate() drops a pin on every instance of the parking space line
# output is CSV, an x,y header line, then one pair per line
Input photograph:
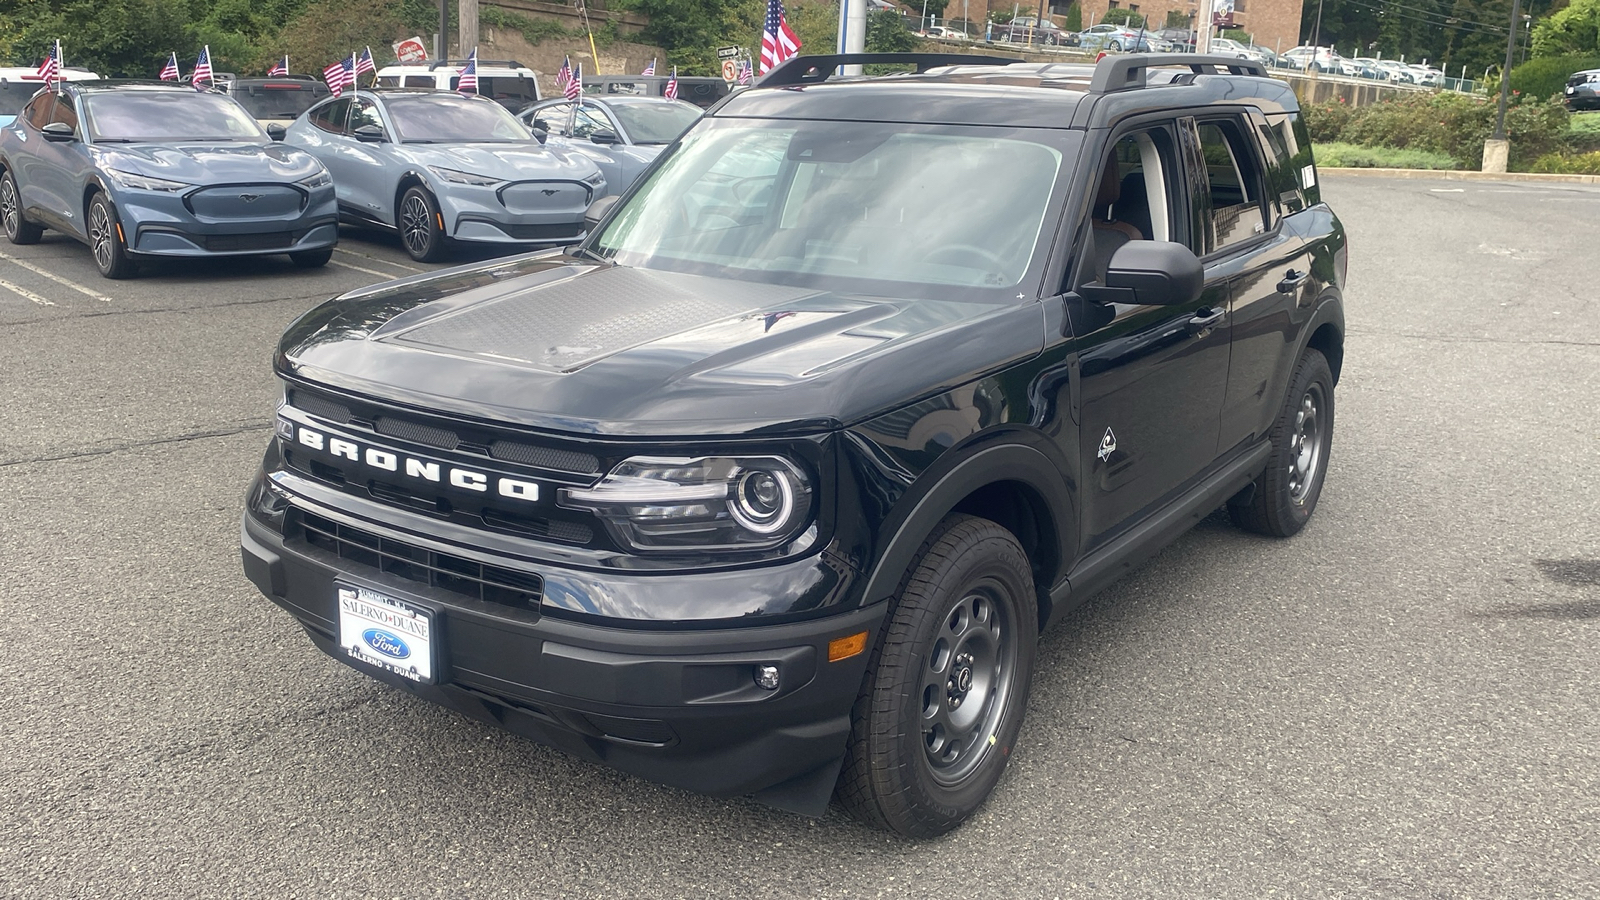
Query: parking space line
x,y
66,282
377,260
25,293
343,265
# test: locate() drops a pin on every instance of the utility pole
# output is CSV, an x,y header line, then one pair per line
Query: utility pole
x,y
1498,147
441,41
467,10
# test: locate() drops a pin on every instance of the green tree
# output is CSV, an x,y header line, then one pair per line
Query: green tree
x,y
1072,20
1122,17
1176,18
1573,30
886,33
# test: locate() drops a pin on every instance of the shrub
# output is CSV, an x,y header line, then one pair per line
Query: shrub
x,y
1543,77
1562,164
1448,123
1122,17
1349,156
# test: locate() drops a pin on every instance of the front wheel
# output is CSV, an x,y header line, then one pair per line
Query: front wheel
x,y
106,240
421,226
1116,46
944,696
1285,495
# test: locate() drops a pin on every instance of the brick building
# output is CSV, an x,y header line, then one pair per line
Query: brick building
x,y
1274,24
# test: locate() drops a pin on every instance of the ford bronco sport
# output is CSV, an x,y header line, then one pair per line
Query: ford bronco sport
x,y
768,486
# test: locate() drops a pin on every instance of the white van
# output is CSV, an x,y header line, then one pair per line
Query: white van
x,y
18,84
507,82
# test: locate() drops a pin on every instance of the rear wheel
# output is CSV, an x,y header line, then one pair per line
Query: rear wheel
x,y
421,226
1285,495
311,259
944,696
105,239
1116,46
18,229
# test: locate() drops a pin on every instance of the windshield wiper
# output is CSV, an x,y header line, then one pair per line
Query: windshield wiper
x,y
586,252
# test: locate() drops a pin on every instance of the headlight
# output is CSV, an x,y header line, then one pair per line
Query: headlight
x,y
595,180
143,182
320,180
459,177
659,503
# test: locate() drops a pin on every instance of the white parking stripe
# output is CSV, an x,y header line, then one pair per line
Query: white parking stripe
x,y
25,293
377,260
386,275
67,282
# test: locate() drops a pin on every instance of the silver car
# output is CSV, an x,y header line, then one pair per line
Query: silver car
x,y
438,167
621,134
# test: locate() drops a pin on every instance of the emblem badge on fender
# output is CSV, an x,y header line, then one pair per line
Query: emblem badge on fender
x,y
1108,446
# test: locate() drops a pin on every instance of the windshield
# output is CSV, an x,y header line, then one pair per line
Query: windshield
x,y
140,116
280,100
656,123
446,118
852,206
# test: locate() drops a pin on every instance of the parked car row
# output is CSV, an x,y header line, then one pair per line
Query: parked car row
x,y
146,169
1326,59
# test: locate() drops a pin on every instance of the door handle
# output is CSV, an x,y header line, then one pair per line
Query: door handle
x,y
1205,318
1292,280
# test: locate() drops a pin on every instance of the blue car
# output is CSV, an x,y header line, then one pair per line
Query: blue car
x,y
150,169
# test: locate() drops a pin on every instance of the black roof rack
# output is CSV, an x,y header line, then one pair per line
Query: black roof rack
x,y
295,77
1126,72
817,69
500,63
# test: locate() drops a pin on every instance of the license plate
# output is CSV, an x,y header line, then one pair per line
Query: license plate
x,y
385,632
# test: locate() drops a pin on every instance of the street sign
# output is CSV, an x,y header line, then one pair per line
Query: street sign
x,y
730,70
411,50
728,52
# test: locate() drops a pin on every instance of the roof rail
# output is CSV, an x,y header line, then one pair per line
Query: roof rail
x,y
501,63
817,69
1127,72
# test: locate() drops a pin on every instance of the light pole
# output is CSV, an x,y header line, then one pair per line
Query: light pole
x,y
1497,148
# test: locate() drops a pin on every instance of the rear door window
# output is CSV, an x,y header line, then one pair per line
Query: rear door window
x,y
331,117
1237,211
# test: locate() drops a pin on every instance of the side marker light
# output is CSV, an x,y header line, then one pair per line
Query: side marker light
x,y
846,647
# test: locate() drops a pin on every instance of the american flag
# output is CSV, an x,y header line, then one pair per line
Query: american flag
x,y
50,69
744,72
574,88
281,68
365,63
671,93
778,40
648,70
564,76
339,75
202,68
170,72
469,75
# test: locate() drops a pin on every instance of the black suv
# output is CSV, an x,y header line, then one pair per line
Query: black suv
x,y
768,487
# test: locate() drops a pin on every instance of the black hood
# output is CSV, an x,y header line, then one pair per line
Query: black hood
x,y
566,344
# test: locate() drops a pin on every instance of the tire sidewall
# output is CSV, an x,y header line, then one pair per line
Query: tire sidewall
x,y
1313,370
120,265
13,234
435,234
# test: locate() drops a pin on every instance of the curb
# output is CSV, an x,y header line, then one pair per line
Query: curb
x,y
1457,175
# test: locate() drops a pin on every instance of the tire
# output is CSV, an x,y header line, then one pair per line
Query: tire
x,y
945,693
1114,46
1285,495
18,229
312,259
420,229
106,239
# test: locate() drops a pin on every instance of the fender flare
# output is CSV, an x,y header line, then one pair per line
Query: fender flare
x,y
1329,311
915,517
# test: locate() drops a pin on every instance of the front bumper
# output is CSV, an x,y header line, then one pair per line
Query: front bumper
x,y
163,224
679,707
486,214
1582,96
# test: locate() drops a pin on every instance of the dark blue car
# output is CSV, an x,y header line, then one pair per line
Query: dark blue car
x,y
150,169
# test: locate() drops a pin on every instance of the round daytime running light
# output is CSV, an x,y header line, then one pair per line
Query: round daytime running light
x,y
762,501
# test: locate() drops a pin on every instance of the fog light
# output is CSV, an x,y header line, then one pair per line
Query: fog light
x,y
767,677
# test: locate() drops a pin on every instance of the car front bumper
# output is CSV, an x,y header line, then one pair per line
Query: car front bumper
x,y
163,224
678,706
518,212
1582,96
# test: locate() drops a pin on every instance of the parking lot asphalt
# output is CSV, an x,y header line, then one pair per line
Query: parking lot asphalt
x,y
1399,702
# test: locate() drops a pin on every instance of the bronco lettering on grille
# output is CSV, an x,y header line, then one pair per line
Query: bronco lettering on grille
x,y
419,469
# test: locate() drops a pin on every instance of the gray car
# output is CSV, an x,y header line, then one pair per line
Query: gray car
x,y
438,167
622,135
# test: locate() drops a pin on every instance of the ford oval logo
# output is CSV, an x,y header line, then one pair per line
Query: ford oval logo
x,y
386,643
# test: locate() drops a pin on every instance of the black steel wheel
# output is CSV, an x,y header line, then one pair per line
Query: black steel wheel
x,y
421,226
945,693
1283,498
106,240
18,229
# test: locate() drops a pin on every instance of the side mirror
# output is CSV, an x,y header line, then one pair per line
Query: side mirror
x,y
57,132
276,132
1151,273
605,137
540,132
369,134
597,211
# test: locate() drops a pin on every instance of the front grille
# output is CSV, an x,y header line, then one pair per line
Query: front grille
x,y
417,432
321,407
267,240
458,575
545,457
543,232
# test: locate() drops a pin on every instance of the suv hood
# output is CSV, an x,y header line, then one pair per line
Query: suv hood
x,y
506,161
558,343
204,163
